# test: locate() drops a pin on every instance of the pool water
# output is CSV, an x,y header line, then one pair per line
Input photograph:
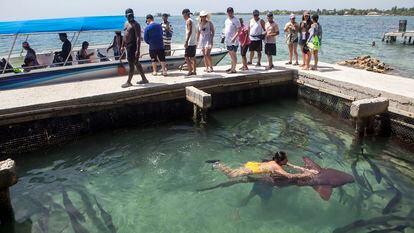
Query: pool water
x,y
146,179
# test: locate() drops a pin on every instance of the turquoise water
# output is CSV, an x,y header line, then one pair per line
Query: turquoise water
x,y
146,179
344,38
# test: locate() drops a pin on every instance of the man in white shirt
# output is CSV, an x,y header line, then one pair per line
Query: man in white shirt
x,y
231,32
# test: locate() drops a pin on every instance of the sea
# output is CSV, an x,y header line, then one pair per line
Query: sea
x,y
344,37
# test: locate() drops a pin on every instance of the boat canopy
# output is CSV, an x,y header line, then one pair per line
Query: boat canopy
x,y
78,24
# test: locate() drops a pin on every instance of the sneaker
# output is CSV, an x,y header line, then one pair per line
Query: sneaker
x,y
127,84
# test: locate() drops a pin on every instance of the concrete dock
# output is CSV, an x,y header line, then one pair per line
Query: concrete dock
x,y
30,105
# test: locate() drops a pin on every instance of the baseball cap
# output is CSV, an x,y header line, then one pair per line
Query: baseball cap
x,y
256,13
230,9
149,16
186,12
269,14
129,11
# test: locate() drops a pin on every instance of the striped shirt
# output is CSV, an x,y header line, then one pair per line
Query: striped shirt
x,y
166,35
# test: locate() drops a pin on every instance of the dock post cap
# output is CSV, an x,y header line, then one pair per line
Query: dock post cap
x,y
369,107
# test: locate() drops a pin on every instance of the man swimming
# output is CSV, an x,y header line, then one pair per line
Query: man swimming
x,y
272,167
132,43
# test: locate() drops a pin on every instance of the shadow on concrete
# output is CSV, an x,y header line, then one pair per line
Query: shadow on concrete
x,y
327,69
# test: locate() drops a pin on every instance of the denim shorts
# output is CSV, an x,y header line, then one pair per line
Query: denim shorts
x,y
232,48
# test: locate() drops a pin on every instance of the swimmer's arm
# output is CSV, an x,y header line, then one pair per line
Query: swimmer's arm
x,y
292,176
302,169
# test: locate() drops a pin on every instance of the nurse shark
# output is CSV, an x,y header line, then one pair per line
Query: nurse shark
x,y
323,183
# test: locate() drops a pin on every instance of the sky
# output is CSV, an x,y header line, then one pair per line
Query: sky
x,y
37,9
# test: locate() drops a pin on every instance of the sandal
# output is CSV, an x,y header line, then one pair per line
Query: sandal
x,y
269,67
127,84
228,70
296,64
288,63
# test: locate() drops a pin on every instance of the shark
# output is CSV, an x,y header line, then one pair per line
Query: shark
x,y
323,183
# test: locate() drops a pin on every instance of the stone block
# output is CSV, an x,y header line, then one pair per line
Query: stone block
x,y
198,97
369,107
7,174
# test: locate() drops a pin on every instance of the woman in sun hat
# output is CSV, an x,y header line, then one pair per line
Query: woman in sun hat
x,y
205,36
291,33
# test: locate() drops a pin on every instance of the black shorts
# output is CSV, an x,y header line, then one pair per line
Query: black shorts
x,y
256,45
270,49
190,51
157,55
131,50
243,50
302,42
167,49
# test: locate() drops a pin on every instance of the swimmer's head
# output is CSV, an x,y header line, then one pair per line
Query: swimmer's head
x,y
280,158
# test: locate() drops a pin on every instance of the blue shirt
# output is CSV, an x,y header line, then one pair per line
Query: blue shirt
x,y
153,36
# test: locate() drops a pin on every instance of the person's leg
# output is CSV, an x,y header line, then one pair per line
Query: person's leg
x,y
203,50
295,51
251,49
209,59
231,173
303,56
194,61
154,68
270,59
246,200
164,68
290,46
141,72
189,66
316,59
130,74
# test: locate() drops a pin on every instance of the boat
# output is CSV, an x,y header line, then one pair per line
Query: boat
x,y
102,65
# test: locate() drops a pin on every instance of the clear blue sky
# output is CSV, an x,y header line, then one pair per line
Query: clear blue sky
x,y
34,9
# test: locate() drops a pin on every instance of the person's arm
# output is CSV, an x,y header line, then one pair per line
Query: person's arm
x,y
112,45
212,31
302,169
238,27
263,23
247,36
139,38
198,35
189,25
293,176
286,28
146,35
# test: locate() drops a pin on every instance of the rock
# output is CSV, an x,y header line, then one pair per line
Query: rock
x,y
367,63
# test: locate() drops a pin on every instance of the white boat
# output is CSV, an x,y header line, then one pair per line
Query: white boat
x,y
101,65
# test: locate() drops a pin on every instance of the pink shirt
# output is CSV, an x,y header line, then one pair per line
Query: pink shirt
x,y
244,36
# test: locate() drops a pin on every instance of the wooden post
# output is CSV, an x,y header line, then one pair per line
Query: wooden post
x,y
7,179
201,101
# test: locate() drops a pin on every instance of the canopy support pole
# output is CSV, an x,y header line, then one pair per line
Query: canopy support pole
x,y
8,57
73,46
21,51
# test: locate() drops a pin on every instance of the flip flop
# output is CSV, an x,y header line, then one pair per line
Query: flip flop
x,y
288,63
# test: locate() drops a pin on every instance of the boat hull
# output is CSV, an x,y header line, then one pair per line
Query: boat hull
x,y
88,71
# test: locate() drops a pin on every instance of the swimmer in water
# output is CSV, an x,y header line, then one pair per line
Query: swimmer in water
x,y
272,167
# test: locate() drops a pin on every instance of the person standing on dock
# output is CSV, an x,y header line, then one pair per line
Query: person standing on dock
x,y
205,36
116,45
153,37
231,33
314,42
132,44
190,44
291,32
272,30
167,31
244,43
304,27
257,34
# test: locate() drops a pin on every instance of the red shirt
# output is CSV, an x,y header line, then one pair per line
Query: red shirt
x,y
244,36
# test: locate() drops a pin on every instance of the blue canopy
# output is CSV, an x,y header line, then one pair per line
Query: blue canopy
x,y
94,23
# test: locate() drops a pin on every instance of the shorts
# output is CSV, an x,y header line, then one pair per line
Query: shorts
x,y
157,53
243,50
232,48
302,42
270,49
190,51
131,50
256,45
167,49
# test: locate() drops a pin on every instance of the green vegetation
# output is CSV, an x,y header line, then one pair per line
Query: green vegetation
x,y
393,11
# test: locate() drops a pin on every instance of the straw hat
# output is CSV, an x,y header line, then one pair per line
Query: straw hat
x,y
205,13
